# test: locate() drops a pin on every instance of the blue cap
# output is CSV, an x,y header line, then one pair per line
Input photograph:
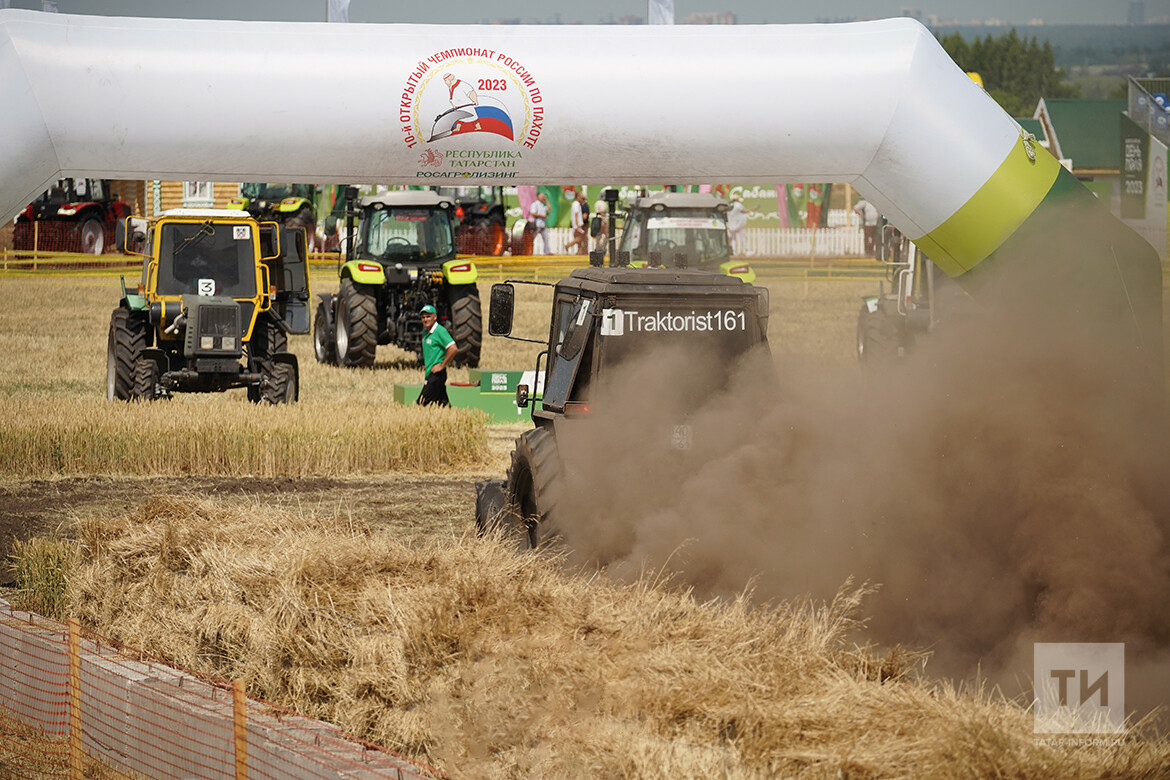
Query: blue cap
x,y
428,309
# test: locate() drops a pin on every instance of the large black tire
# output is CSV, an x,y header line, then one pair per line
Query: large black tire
x,y
466,324
357,324
279,383
324,337
877,338
92,237
282,385
533,490
124,347
146,380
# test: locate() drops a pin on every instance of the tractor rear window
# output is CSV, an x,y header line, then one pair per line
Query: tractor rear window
x,y
207,258
700,234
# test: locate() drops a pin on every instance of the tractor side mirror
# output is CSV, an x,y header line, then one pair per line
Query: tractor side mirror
x,y
501,308
120,233
269,241
129,237
331,225
595,227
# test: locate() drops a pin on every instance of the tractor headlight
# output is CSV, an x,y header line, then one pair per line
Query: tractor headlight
x,y
229,342
207,342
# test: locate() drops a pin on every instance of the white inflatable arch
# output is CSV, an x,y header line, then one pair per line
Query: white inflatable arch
x,y
878,104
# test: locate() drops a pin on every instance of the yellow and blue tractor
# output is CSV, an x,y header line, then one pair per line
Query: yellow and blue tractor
x,y
219,294
401,259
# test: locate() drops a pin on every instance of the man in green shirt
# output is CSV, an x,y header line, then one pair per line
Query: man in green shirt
x,y
438,350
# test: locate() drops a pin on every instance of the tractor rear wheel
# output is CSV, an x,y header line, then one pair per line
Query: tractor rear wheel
x,y
533,488
466,324
124,347
93,237
324,338
357,324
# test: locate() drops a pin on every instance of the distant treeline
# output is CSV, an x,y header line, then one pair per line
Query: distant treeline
x,y
1080,45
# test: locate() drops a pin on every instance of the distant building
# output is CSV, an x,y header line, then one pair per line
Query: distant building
x,y
911,12
710,17
1137,13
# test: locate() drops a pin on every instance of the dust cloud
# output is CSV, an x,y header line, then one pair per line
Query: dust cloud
x,y
1005,483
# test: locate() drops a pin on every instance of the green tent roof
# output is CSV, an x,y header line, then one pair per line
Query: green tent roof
x,y
1086,131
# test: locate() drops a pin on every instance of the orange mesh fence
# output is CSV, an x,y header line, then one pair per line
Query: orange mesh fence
x,y
73,702
63,236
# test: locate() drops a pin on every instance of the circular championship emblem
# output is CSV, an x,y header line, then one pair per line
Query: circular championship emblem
x,y
470,112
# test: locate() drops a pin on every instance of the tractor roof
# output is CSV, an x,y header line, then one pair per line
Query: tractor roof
x,y
680,200
626,280
406,198
216,214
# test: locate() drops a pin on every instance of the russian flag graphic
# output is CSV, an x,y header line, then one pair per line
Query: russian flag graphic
x,y
491,117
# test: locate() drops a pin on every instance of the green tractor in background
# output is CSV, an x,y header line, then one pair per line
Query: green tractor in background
x,y
219,294
675,230
289,204
399,257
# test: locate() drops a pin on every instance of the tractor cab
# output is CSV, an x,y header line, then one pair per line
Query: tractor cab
x,y
680,230
406,230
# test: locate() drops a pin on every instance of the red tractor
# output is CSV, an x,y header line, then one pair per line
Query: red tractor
x,y
74,215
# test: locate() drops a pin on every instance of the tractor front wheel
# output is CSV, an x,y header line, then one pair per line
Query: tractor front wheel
x,y
466,324
357,324
533,488
124,347
279,381
281,385
146,380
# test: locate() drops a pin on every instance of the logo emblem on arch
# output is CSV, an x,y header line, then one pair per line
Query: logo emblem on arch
x,y
481,109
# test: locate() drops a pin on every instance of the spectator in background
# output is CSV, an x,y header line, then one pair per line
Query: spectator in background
x,y
579,220
868,214
538,214
737,224
601,211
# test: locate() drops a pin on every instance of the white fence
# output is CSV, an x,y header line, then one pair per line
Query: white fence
x,y
830,242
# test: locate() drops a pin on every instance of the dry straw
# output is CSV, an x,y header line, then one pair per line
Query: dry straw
x,y
493,665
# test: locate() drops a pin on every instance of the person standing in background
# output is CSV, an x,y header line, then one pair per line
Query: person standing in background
x,y
579,220
538,213
736,225
868,214
438,350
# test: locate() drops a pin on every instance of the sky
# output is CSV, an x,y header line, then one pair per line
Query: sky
x,y
1016,12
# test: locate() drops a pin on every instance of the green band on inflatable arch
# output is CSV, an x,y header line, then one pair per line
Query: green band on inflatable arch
x,y
994,212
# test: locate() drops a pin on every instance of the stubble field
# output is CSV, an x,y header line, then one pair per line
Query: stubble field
x,y
457,652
